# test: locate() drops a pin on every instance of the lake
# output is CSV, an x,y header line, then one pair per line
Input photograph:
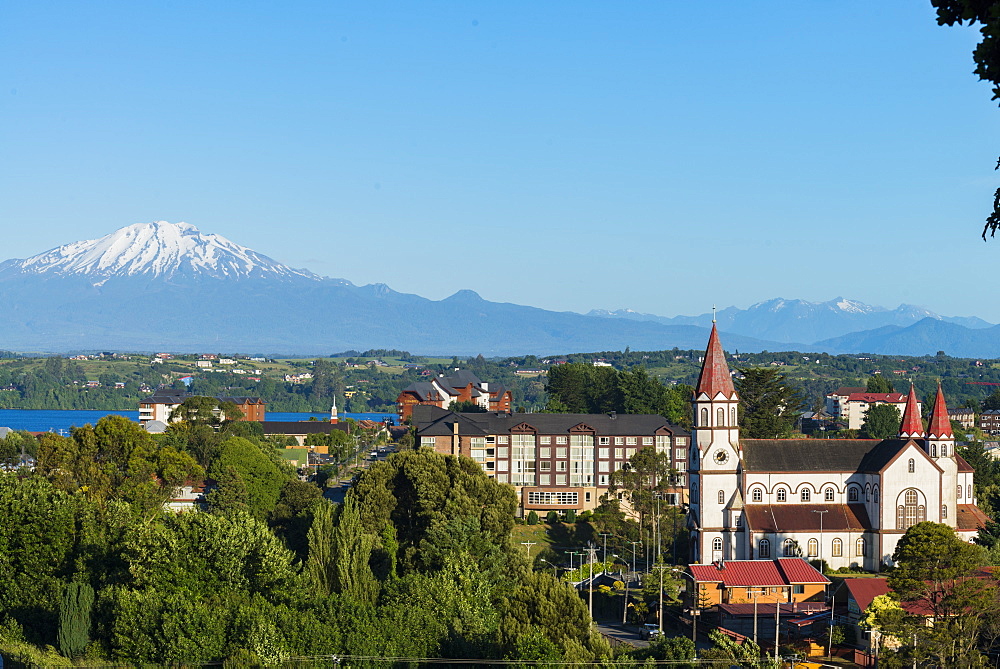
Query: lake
x,y
60,421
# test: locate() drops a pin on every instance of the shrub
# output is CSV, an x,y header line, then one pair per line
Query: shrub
x,y
552,518
571,516
532,518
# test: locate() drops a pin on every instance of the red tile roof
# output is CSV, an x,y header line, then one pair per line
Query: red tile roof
x,y
800,517
864,590
970,517
893,398
911,425
757,573
715,377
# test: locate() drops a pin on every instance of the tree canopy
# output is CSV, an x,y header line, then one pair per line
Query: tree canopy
x,y
881,422
769,405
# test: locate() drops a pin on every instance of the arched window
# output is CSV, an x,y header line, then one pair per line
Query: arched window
x,y
944,450
722,497
911,465
828,494
868,493
764,548
960,492
804,495
781,494
933,450
704,418
813,548
860,548
720,417
694,489
788,548
968,491
757,495
875,494
717,544
732,416
944,511
910,512
852,494
838,548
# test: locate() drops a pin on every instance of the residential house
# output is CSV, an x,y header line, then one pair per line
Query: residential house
x,y
965,416
461,386
989,421
162,403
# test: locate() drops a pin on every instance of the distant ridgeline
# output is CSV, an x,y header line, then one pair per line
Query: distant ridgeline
x,y
373,380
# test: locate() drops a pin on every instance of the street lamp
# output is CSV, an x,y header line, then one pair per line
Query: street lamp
x,y
633,553
555,573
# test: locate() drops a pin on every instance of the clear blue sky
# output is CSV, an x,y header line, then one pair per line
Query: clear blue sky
x,y
659,156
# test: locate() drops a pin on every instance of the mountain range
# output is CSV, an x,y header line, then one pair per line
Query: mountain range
x,y
168,286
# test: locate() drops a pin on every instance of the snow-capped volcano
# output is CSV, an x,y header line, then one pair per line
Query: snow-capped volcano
x,y
158,249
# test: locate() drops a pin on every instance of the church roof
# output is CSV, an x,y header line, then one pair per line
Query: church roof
x,y
805,455
740,573
801,517
715,377
963,465
940,425
911,426
970,517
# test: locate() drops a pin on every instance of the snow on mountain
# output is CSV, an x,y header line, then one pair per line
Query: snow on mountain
x,y
158,249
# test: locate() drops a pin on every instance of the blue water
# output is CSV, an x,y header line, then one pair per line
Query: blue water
x,y
46,420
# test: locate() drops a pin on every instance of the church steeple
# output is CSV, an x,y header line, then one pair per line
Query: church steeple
x,y
911,427
940,425
715,377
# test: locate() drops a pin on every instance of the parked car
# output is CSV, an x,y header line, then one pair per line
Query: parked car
x,y
649,631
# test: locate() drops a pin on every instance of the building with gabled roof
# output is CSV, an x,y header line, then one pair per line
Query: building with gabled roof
x,y
846,501
162,403
460,386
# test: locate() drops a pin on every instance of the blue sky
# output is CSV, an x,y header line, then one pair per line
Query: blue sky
x,y
658,156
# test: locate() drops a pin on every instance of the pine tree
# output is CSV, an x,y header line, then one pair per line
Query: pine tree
x,y
74,619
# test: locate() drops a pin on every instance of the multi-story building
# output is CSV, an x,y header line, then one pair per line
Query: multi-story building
x,y
555,461
965,417
846,501
989,421
162,403
462,386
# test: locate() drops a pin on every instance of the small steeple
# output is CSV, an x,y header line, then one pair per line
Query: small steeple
x,y
715,376
333,412
940,425
911,427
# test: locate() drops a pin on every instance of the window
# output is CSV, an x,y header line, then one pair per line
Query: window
x,y
501,465
911,465
603,452
561,440
544,479
548,497
561,452
868,493
604,466
764,548
681,441
681,466
647,441
860,548
788,548
910,512
544,466
813,548
781,494
560,479
561,465
502,452
679,479
805,495
619,441
502,439
720,417
704,418
739,520
944,511
828,495
960,492
838,548
502,478
717,544
545,451
663,443
619,454
722,497
732,416
545,440
933,450
586,496
631,441
852,494
757,495
968,491
604,441
798,589
680,454
428,441
602,480
875,494
944,450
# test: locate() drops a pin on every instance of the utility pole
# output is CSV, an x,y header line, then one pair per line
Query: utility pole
x,y
592,556
605,536
527,548
633,553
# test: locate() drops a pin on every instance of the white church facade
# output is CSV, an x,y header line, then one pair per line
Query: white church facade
x,y
845,501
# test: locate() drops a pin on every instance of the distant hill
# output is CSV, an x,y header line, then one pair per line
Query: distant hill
x,y
164,286
925,337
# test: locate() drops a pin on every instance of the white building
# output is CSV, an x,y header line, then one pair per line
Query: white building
x,y
846,501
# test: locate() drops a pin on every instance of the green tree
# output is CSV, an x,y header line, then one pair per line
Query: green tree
x,y
939,572
992,403
878,383
74,619
882,421
769,405
244,466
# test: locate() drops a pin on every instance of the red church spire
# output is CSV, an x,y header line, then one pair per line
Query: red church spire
x,y
715,377
911,427
940,427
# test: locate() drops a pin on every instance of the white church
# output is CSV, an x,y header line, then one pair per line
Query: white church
x,y
845,501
